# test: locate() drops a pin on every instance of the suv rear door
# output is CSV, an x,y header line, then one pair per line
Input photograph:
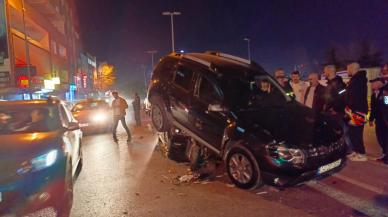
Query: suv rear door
x,y
180,93
207,124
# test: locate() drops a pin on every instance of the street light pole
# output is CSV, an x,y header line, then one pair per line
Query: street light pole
x,y
248,40
152,52
172,14
27,49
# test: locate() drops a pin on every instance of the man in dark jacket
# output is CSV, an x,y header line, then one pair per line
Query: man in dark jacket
x,y
356,109
377,117
334,92
314,96
136,109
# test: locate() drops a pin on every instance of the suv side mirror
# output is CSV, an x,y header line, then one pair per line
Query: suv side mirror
x,y
73,126
216,108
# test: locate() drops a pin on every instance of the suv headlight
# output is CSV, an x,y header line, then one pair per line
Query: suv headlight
x,y
282,153
44,161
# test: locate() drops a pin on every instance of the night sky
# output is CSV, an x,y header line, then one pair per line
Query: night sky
x,y
283,32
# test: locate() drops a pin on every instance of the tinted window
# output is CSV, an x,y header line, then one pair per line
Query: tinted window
x,y
164,70
183,78
90,105
28,119
208,92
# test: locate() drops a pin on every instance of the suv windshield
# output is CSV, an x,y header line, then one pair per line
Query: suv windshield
x,y
90,106
253,92
28,119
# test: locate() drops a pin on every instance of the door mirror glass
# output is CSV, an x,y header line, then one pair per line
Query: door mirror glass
x,y
217,108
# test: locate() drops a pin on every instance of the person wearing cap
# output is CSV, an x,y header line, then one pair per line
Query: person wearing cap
x,y
298,87
119,105
356,109
377,117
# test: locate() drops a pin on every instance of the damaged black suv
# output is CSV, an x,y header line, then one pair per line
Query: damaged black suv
x,y
231,109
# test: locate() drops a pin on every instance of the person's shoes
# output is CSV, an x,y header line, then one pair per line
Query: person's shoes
x,y
358,157
382,158
351,155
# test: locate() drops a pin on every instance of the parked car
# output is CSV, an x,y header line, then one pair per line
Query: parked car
x,y
231,108
40,155
94,115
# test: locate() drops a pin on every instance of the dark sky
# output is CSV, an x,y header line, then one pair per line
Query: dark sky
x,y
283,32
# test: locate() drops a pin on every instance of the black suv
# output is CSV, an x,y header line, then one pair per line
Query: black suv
x,y
231,108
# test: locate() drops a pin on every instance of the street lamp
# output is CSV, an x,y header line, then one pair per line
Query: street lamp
x,y
172,14
27,49
248,40
152,52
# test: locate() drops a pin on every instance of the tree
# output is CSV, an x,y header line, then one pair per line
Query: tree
x,y
106,76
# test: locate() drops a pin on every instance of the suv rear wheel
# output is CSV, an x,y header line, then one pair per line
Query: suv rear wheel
x,y
243,169
158,114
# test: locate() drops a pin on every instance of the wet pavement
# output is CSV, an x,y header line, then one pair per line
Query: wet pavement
x,y
135,179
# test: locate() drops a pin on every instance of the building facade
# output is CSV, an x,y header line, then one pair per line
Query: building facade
x,y
40,48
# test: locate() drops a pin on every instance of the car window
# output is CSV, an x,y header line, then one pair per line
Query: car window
x,y
164,70
65,117
183,78
208,92
28,119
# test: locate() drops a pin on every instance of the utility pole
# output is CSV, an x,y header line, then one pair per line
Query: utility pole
x,y
248,40
172,14
27,50
152,52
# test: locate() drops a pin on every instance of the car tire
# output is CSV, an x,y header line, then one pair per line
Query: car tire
x,y
194,154
242,168
159,115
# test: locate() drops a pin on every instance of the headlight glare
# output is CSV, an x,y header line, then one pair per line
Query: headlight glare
x,y
45,160
100,117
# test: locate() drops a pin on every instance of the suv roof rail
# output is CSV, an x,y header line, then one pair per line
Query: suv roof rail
x,y
193,58
229,56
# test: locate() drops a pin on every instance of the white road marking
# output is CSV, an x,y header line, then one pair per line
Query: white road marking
x,y
363,206
360,184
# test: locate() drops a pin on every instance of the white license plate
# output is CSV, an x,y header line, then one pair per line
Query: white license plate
x,y
329,166
84,125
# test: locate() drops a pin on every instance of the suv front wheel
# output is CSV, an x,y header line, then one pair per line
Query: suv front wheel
x,y
242,168
158,114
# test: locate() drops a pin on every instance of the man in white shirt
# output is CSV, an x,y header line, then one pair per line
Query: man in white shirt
x,y
314,96
298,87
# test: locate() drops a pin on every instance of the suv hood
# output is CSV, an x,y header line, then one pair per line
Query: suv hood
x,y
294,124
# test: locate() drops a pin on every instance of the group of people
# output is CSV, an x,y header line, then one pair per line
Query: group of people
x,y
347,103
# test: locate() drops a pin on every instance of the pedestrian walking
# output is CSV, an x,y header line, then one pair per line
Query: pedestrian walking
x,y
298,86
314,96
356,110
136,109
281,78
377,116
119,105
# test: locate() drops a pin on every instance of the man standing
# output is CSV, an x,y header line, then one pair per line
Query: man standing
x,y
119,105
298,87
136,109
334,92
281,78
377,117
356,109
313,97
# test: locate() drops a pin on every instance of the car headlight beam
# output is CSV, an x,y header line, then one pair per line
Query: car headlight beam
x,y
45,160
100,117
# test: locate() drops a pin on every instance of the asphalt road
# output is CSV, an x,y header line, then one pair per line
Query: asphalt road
x,y
134,179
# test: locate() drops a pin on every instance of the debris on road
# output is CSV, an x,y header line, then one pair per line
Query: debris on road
x,y
260,193
230,185
186,178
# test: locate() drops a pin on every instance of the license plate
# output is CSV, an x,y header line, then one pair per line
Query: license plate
x,y
329,166
84,125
